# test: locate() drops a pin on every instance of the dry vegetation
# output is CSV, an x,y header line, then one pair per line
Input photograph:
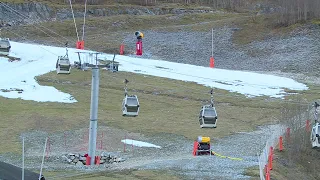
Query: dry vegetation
x,y
298,160
105,34
167,106
156,108
158,98
116,175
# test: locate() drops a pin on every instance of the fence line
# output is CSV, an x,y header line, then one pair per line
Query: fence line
x,y
273,140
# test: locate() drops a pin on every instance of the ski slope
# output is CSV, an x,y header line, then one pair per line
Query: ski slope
x,y
17,79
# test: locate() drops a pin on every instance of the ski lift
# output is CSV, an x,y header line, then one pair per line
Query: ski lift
x,y
130,103
5,46
315,132
81,64
208,115
112,66
63,65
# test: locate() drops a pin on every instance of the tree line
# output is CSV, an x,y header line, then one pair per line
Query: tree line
x,y
293,11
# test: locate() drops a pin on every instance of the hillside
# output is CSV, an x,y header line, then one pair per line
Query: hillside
x,y
245,37
242,41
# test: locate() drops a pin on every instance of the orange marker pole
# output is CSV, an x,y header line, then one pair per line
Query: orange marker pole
x,y
288,135
211,62
121,49
268,175
280,143
308,125
88,159
211,58
270,158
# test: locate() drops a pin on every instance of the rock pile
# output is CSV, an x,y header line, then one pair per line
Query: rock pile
x,y
80,159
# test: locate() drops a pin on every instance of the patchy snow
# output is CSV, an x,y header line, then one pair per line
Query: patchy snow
x,y
248,83
18,77
139,143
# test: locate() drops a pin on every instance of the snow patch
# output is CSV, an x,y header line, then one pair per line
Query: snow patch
x,y
139,143
17,79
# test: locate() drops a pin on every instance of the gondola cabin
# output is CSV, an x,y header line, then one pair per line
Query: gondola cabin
x,y
130,106
63,65
208,117
315,139
5,46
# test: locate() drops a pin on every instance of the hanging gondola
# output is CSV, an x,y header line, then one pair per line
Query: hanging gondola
x,y
63,65
208,115
130,103
5,46
315,132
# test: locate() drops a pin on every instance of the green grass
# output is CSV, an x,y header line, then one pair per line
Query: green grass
x,y
258,28
306,96
283,168
253,172
109,30
117,175
316,21
252,28
107,33
175,110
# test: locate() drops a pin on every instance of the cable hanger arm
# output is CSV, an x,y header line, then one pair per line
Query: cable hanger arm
x,y
74,20
84,19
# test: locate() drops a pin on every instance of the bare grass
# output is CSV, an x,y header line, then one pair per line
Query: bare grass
x,y
167,106
115,175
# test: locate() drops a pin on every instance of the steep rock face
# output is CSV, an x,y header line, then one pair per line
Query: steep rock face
x,y
96,12
30,12
12,13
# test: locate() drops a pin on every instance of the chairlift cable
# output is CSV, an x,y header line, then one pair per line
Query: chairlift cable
x,y
146,66
219,94
84,19
36,44
196,91
37,27
22,16
206,78
74,20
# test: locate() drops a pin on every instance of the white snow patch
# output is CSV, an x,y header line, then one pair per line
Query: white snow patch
x,y
139,143
17,79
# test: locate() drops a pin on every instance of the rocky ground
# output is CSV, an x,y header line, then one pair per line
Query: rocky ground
x,y
295,53
174,156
